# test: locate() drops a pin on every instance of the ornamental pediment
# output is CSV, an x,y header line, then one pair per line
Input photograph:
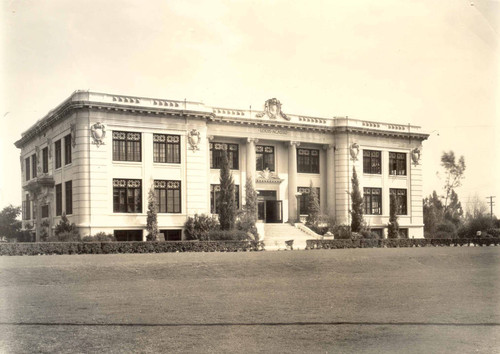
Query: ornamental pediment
x,y
267,176
272,110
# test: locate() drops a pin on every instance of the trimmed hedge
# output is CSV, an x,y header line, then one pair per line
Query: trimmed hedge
x,y
401,242
31,249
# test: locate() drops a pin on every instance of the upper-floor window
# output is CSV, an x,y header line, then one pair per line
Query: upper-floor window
x,y
45,160
214,197
67,149
68,189
304,198
307,160
264,156
26,208
27,168
216,151
166,148
58,199
168,196
127,196
372,161
33,165
400,199
397,163
372,198
45,211
126,146
57,148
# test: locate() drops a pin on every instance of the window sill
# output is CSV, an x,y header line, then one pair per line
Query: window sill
x,y
372,174
137,163
398,176
167,164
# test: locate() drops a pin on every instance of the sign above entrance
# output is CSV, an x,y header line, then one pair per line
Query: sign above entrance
x,y
272,109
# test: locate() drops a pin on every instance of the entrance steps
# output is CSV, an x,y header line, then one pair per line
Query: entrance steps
x,y
275,236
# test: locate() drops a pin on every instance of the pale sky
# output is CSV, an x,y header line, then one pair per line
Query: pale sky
x,y
429,63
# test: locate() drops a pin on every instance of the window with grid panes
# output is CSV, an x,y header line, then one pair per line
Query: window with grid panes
x,y
372,197
67,149
126,146
372,160
304,198
307,160
397,163
166,148
264,156
33,166
127,195
214,197
401,200
216,151
57,152
168,196
45,160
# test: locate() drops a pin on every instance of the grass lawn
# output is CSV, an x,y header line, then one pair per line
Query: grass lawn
x,y
413,300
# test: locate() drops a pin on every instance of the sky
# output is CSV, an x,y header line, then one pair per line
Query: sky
x,y
429,63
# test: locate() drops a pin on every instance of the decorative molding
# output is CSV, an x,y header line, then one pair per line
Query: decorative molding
x,y
354,150
73,134
38,165
329,147
98,133
415,156
292,143
252,140
267,176
272,108
194,139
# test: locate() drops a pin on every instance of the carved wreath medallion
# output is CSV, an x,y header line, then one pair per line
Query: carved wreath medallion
x,y
354,150
194,139
98,133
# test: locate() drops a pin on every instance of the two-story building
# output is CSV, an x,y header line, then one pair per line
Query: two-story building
x,y
96,156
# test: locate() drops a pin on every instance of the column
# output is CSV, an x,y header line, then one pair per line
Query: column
x,y
251,163
292,180
330,179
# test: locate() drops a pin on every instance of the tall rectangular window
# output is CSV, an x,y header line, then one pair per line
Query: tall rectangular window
x,y
68,190
45,160
401,200
216,151
126,146
307,161
373,201
58,199
168,196
127,196
57,152
33,165
166,148
304,198
372,160
264,156
45,211
397,163
214,196
27,208
67,149
27,169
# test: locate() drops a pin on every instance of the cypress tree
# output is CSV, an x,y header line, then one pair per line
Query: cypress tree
x,y
357,204
313,206
152,219
393,227
226,203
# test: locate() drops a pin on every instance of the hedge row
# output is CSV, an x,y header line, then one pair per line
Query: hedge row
x,y
407,242
31,249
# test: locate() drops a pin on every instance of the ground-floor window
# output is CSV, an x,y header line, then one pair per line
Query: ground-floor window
x,y
373,201
379,232
172,235
214,196
403,233
45,211
168,196
400,200
127,196
128,235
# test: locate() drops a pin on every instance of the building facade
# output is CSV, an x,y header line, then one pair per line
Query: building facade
x,y
96,156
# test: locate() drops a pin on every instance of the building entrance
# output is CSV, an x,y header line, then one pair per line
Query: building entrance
x,y
269,209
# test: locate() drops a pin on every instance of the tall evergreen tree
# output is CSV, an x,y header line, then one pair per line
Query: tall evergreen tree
x,y
152,219
393,227
226,202
357,204
313,206
249,216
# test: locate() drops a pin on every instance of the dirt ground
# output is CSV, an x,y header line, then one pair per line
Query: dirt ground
x,y
415,300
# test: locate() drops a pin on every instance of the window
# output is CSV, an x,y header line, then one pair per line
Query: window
x,y
397,163
68,189
166,148
58,199
127,196
372,161
45,160
33,165
168,196
27,168
128,235
57,149
304,199
45,211
172,235
216,155
373,201
400,195
307,161
265,157
126,146
214,196
379,232
26,208
67,149
403,233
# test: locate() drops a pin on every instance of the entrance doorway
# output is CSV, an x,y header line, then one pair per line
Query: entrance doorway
x,y
269,209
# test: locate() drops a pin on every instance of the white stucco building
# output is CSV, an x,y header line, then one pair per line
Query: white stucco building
x,y
96,156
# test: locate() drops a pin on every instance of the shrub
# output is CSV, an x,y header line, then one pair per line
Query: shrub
x,y
198,226
493,232
99,237
228,235
65,231
342,232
